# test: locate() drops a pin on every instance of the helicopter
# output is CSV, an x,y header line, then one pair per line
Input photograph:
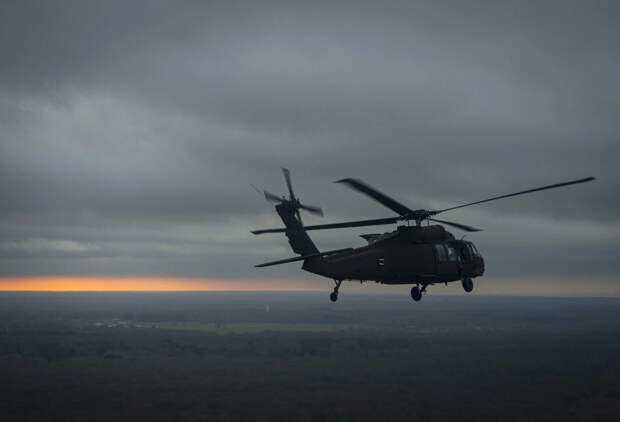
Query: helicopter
x,y
417,254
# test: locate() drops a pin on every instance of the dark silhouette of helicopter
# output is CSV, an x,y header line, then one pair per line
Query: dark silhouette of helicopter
x,y
419,255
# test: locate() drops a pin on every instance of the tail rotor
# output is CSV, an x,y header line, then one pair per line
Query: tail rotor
x,y
292,200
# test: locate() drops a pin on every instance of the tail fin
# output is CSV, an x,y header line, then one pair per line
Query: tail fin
x,y
288,209
297,236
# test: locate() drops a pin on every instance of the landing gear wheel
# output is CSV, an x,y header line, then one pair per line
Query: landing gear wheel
x,y
468,284
416,294
334,295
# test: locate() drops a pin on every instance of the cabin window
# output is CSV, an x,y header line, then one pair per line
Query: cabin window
x,y
441,253
381,263
451,254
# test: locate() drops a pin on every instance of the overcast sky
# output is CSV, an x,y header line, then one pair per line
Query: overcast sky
x,y
130,132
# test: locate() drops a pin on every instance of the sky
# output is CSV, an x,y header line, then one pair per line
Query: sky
x,y
131,133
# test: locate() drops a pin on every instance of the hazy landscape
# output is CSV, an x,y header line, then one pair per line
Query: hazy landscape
x,y
296,356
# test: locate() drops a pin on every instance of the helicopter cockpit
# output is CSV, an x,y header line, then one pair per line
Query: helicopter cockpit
x,y
468,252
469,258
458,257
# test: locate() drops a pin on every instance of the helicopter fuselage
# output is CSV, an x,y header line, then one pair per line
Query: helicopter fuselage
x,y
408,255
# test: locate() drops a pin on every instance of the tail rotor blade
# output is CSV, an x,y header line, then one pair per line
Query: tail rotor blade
x,y
312,209
287,177
272,197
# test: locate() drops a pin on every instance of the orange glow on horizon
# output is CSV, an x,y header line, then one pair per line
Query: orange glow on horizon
x,y
529,286
60,284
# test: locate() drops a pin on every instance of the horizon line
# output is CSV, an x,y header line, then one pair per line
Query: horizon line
x,y
354,293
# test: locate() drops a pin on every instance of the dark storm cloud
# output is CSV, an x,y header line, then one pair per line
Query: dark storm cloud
x,y
124,124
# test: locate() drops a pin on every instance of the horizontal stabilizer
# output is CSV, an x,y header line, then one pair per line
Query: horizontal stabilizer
x,y
301,258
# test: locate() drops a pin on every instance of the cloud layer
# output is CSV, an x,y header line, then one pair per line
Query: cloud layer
x,y
131,131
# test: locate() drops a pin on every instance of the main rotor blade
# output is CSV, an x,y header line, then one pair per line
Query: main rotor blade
x,y
557,185
272,197
312,209
361,223
380,197
287,177
374,222
457,225
256,189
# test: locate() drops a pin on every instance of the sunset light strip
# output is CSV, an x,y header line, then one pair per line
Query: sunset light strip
x,y
508,286
148,284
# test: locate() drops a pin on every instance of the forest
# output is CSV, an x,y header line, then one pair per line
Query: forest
x,y
271,356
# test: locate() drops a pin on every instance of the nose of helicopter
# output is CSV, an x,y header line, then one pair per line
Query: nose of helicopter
x,y
481,266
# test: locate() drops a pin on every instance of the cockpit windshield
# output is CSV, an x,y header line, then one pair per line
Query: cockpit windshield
x,y
473,249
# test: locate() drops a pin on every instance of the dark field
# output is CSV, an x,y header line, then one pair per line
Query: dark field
x,y
298,357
